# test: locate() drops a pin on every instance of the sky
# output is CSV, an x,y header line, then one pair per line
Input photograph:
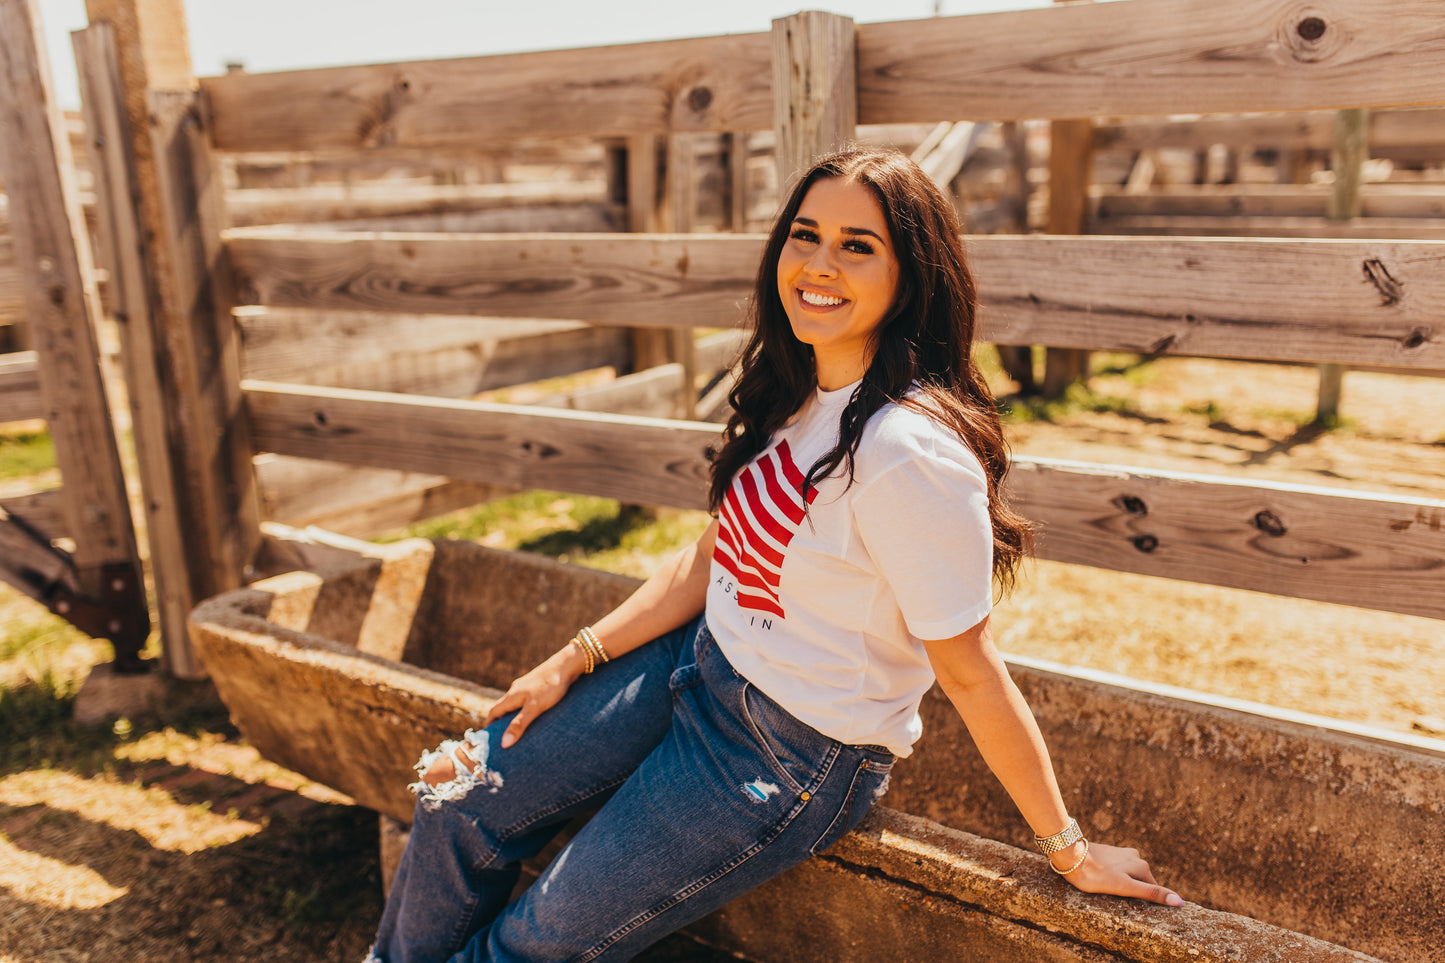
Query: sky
x,y
286,34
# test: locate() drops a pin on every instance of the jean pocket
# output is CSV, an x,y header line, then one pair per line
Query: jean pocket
x,y
870,782
796,750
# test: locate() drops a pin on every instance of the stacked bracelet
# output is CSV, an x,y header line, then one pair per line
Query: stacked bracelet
x,y
1063,839
591,648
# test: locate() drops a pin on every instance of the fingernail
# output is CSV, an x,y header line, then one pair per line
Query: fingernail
x,y
507,740
1174,899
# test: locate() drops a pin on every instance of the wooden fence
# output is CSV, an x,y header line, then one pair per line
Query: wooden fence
x,y
810,80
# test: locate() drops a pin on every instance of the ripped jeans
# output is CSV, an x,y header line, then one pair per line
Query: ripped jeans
x,y
706,788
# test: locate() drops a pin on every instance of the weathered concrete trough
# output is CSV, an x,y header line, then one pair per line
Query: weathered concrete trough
x,y
1327,839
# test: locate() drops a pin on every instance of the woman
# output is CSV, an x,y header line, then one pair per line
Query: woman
x,y
750,698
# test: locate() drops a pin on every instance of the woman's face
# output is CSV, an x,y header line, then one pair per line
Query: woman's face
x,y
837,277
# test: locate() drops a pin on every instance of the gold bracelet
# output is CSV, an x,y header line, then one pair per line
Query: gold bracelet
x,y
1065,872
595,644
586,654
1063,839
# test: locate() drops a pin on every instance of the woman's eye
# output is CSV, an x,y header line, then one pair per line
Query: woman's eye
x,y
858,247
805,235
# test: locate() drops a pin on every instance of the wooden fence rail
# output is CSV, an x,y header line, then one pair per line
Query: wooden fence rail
x,y
1356,302
1356,548
1058,62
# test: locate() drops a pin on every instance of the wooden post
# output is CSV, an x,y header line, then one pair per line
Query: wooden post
x,y
206,527
1348,152
56,273
815,89
646,178
1071,166
1071,156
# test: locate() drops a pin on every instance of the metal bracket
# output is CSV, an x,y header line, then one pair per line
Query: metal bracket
x,y
118,611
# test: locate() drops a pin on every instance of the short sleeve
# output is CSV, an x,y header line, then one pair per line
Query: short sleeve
x,y
925,523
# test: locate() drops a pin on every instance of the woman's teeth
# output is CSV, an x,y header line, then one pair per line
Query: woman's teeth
x,y
819,300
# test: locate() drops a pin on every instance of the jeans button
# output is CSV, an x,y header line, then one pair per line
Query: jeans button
x,y
806,796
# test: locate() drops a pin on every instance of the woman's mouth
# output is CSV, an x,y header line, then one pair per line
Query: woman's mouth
x,y
815,300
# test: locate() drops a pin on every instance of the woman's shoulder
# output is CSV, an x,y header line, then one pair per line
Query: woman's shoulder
x,y
899,433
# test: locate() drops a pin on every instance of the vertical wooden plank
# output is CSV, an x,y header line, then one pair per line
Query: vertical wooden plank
x,y
123,250
210,446
191,380
736,182
53,252
1071,162
646,180
815,89
1349,150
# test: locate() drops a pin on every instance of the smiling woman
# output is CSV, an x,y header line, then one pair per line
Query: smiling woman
x,y
742,710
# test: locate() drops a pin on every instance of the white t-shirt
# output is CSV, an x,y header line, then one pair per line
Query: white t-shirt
x,y
824,611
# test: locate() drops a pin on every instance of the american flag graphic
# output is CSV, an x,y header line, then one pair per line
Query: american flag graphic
x,y
759,516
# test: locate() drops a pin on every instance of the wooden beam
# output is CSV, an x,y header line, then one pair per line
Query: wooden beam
x,y
655,281
26,565
705,84
360,502
1355,548
20,387
1364,549
54,253
1152,57
1402,201
815,89
12,297
419,354
343,202
1360,302
1398,229
210,444
644,461
136,279
42,511
1415,127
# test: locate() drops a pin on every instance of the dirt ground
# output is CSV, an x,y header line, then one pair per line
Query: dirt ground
x,y
167,838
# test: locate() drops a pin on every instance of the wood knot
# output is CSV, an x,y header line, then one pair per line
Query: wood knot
x,y
320,418
1311,28
1415,338
1145,543
699,99
1269,523
1132,504
1390,288
1309,37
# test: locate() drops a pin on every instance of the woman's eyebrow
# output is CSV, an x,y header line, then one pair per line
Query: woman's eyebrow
x,y
809,222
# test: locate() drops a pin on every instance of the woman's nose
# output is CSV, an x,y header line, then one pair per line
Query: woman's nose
x,y
821,263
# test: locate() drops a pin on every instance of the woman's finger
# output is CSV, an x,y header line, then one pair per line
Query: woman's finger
x,y
516,727
502,706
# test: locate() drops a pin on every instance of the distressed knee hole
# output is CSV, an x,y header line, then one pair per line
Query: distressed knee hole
x,y
453,769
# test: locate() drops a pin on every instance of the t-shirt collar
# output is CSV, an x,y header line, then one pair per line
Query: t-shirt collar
x,y
838,397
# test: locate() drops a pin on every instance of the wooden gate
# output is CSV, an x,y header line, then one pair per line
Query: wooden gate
x,y
73,549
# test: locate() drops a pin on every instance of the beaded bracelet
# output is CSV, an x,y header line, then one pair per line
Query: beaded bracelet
x,y
591,648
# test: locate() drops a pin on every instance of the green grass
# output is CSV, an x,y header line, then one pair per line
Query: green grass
x,y
25,453
1077,398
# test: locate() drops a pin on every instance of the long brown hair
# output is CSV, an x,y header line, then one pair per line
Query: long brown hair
x,y
925,339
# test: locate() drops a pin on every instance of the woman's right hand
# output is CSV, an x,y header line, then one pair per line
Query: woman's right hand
x,y
536,692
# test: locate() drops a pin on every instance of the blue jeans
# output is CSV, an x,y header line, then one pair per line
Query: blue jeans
x,y
706,788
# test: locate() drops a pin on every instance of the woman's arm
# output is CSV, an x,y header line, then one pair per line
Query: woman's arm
x,y
972,674
673,595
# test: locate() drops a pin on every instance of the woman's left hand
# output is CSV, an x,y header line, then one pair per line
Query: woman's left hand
x,y
1116,871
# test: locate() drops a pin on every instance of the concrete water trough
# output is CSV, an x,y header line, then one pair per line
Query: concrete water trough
x,y
1293,839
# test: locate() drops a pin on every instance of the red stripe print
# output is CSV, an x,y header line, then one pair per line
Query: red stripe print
x,y
760,515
